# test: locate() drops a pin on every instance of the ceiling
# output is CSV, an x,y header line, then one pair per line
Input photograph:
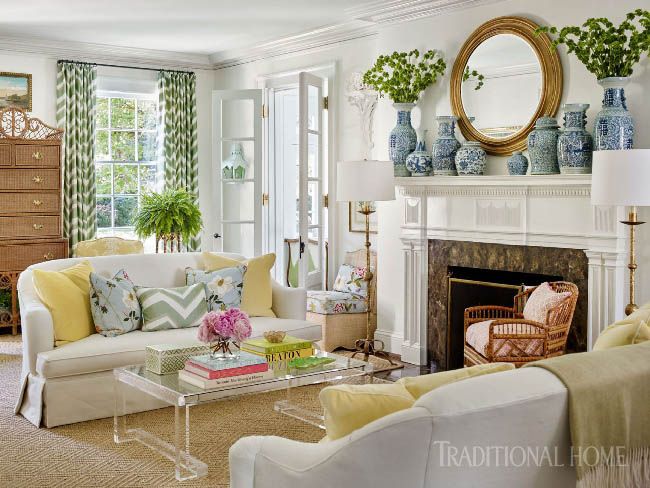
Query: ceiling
x,y
188,26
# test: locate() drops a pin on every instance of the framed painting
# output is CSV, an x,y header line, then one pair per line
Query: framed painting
x,y
357,221
16,91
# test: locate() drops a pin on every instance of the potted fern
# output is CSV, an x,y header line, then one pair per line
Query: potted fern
x,y
171,216
403,77
610,53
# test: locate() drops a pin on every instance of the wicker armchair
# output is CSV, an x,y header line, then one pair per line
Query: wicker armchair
x,y
511,335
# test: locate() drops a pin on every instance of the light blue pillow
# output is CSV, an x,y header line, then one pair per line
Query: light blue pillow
x,y
114,304
223,287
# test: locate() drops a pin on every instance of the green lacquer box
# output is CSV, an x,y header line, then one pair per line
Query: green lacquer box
x,y
169,358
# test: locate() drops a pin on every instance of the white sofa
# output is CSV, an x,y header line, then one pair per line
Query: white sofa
x,y
73,383
474,433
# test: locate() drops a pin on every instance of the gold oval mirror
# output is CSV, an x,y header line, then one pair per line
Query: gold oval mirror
x,y
504,78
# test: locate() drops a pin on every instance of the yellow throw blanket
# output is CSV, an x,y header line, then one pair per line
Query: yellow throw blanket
x,y
609,414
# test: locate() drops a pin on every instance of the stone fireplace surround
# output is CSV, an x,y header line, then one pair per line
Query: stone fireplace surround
x,y
571,264
521,212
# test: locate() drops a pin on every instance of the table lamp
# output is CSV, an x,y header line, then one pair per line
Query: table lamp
x,y
620,178
366,182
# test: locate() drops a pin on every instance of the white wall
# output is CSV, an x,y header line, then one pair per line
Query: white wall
x,y
447,33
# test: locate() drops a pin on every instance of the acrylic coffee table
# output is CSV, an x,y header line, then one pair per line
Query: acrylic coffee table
x,y
182,396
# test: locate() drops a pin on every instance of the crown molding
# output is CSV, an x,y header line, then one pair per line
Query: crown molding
x,y
395,11
85,51
302,43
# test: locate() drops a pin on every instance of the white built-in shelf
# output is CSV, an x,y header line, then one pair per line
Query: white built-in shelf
x,y
227,181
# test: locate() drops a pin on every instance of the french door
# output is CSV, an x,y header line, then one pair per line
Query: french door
x,y
310,184
237,140
277,206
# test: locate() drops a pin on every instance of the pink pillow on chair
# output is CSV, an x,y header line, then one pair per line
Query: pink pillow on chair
x,y
543,299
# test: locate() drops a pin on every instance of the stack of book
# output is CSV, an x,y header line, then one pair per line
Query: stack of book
x,y
290,348
207,373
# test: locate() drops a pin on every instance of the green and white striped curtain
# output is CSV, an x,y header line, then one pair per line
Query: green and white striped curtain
x,y
177,95
75,113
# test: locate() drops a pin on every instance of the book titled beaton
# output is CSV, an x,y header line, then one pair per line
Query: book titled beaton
x,y
241,380
259,345
210,368
285,355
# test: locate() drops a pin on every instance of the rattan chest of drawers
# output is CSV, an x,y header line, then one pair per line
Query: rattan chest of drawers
x,y
30,203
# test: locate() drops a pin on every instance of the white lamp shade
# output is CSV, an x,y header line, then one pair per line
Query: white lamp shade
x,y
621,178
365,181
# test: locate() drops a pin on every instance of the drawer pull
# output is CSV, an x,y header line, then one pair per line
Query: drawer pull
x,y
37,203
48,256
37,226
37,155
37,179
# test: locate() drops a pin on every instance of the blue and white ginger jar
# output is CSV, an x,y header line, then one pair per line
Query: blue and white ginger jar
x,y
470,159
613,126
517,164
419,161
542,147
402,139
575,145
445,147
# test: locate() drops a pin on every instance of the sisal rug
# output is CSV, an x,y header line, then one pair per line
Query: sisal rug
x,y
84,454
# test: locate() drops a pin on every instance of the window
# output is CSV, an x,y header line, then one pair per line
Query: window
x,y
126,159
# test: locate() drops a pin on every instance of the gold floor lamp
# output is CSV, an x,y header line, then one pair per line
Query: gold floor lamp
x,y
366,182
620,178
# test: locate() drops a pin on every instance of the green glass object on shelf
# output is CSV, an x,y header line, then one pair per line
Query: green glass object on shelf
x,y
310,362
234,167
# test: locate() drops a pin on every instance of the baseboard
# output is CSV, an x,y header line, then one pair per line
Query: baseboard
x,y
391,340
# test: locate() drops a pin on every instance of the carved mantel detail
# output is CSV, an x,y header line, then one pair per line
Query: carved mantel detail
x,y
553,212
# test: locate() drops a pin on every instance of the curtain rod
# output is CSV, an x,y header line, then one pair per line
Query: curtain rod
x,y
120,66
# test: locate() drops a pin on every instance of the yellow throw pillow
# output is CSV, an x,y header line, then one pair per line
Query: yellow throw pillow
x,y
350,407
257,293
623,334
66,294
420,385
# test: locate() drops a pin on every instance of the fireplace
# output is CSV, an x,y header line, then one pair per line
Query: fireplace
x,y
463,274
468,287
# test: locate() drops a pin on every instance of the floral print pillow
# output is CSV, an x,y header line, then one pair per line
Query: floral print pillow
x,y
223,287
350,280
114,304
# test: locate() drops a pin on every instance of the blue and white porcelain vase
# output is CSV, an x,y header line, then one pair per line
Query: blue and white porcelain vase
x,y
542,147
517,164
575,146
613,127
445,147
419,161
402,139
470,159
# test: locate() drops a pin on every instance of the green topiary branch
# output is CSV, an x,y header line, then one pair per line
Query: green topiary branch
x,y
603,48
404,76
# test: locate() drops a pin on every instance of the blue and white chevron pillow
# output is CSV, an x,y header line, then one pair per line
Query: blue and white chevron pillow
x,y
172,308
223,287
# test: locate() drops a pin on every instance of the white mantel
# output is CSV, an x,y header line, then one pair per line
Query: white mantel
x,y
550,211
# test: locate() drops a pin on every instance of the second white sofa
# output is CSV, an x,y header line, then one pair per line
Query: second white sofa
x,y
74,383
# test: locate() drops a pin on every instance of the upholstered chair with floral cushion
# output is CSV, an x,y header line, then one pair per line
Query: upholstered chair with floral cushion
x,y
341,312
536,327
107,246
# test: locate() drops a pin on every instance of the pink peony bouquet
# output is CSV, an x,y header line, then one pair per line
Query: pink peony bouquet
x,y
229,325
